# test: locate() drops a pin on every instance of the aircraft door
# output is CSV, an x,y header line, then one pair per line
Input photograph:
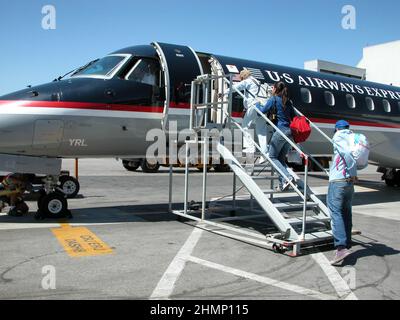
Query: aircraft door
x,y
181,66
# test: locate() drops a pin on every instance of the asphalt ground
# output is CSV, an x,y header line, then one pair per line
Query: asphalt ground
x,y
127,246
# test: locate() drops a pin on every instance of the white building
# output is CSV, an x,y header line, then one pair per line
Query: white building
x,y
335,68
382,62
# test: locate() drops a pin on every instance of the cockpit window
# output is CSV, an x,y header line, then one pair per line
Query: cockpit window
x,y
103,68
145,71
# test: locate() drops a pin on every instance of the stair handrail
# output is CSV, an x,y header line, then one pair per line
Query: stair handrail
x,y
265,155
302,152
313,125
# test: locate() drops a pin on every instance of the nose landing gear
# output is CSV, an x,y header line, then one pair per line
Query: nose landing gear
x,y
391,177
52,202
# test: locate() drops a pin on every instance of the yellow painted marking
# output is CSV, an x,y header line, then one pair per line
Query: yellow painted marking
x,y
80,241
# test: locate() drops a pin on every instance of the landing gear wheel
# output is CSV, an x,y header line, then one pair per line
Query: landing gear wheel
x,y
14,212
278,248
54,205
131,165
148,167
20,209
42,194
390,182
70,186
397,178
39,216
200,167
311,166
222,168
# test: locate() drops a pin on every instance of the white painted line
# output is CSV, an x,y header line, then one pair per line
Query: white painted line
x,y
268,281
334,277
22,226
166,285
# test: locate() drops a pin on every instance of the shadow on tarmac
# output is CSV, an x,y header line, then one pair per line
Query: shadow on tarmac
x,y
159,213
96,215
375,249
380,193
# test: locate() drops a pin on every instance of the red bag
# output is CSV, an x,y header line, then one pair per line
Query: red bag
x,y
301,129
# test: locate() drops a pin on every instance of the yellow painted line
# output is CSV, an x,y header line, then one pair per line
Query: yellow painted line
x,y
80,241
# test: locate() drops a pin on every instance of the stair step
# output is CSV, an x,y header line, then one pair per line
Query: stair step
x,y
265,177
256,165
252,173
260,166
321,235
271,191
250,168
274,191
249,165
318,235
299,220
282,205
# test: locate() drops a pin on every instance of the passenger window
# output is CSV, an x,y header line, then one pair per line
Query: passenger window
x,y
145,71
386,105
398,104
329,98
351,102
370,104
306,95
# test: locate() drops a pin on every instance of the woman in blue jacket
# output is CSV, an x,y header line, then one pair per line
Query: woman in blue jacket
x,y
279,147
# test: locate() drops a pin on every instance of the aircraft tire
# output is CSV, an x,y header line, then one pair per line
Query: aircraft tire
x,y
39,216
397,178
22,207
149,168
70,186
131,165
200,167
54,205
222,168
42,193
390,182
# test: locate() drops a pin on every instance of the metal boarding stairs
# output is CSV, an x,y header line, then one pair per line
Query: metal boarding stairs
x,y
299,217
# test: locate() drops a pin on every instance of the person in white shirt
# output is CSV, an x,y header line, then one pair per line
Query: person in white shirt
x,y
149,76
251,88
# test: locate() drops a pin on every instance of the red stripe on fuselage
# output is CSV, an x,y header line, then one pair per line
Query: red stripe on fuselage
x,y
82,105
154,109
179,105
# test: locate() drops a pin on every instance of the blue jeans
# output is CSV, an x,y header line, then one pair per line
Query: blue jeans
x,y
278,150
339,200
252,118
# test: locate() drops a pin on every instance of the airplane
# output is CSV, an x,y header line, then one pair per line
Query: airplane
x,y
106,107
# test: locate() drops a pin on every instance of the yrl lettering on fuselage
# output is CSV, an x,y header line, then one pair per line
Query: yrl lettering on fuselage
x,y
78,143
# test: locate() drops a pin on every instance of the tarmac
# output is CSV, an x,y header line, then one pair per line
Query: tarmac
x,y
123,244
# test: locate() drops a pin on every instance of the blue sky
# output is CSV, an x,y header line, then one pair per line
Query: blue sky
x,y
282,32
